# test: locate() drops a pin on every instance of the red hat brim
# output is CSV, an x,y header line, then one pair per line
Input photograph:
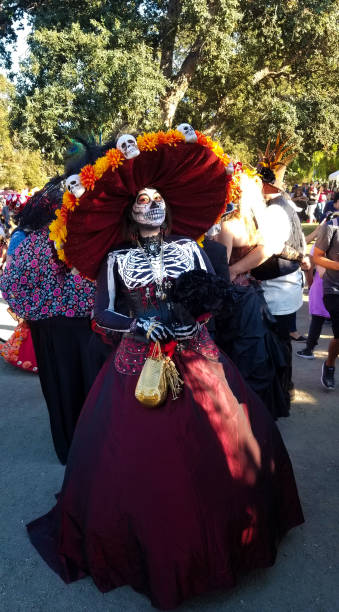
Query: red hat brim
x,y
191,179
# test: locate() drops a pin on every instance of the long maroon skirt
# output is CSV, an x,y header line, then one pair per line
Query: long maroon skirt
x,y
175,500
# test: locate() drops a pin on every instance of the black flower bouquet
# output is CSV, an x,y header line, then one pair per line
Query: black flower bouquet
x,y
200,292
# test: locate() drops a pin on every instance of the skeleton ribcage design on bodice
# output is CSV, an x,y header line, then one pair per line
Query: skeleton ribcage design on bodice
x,y
134,269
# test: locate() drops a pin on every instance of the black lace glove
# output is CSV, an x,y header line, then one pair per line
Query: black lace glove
x,y
185,326
153,330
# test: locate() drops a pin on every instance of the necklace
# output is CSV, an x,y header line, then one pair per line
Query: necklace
x,y
154,251
151,245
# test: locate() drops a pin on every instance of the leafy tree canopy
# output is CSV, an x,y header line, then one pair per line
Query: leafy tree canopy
x,y
237,69
20,167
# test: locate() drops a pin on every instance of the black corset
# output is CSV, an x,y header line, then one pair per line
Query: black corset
x,y
143,302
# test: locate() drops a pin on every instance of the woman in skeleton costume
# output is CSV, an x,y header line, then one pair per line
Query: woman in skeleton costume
x,y
179,499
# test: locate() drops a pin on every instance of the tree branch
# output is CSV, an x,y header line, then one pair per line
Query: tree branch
x,y
266,72
168,36
180,82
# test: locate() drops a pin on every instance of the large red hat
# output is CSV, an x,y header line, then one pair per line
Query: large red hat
x,y
191,178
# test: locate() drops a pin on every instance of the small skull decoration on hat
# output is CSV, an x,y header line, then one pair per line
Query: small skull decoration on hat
x,y
127,144
187,130
74,185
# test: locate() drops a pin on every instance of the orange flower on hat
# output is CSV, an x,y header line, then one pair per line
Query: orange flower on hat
x,y
58,229
203,140
101,165
61,255
114,157
69,200
207,142
171,137
218,151
87,177
148,141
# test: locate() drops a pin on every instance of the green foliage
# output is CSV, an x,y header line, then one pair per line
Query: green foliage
x,y
80,84
237,69
19,167
316,167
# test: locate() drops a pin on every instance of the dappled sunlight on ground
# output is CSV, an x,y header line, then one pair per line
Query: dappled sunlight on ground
x,y
310,395
321,354
304,397
328,336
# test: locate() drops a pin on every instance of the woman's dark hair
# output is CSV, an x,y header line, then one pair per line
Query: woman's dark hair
x,y
40,208
130,227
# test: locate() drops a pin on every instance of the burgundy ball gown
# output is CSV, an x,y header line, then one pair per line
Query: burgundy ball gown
x,y
174,500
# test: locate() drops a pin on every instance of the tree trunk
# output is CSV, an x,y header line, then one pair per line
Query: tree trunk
x,y
180,84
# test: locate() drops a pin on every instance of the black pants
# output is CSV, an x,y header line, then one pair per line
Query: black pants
x,y
98,353
66,375
314,331
284,324
331,302
293,321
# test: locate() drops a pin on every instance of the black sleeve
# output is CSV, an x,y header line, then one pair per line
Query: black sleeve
x,y
199,252
217,253
105,298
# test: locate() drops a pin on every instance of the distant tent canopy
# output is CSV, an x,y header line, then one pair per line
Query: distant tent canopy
x,y
334,176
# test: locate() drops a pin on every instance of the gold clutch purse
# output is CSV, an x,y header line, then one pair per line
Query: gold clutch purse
x,y
157,374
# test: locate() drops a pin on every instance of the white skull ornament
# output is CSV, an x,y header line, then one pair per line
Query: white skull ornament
x,y
149,208
74,185
128,146
189,133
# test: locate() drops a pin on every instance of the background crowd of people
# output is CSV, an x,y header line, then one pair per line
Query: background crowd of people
x,y
314,200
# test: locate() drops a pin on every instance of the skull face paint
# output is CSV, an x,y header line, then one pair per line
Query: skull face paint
x,y
74,185
128,146
189,133
149,208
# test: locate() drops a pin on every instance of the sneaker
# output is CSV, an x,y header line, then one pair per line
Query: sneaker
x,y
327,377
305,353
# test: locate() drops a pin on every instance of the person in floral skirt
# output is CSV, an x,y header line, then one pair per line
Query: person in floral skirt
x,y
56,304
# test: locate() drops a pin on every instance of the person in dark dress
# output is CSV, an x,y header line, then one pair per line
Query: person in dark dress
x,y
245,330
180,498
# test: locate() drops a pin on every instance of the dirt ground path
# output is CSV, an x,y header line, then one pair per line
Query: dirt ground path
x,y
305,577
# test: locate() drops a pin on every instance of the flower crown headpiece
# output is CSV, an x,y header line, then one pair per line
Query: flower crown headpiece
x,y
190,170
